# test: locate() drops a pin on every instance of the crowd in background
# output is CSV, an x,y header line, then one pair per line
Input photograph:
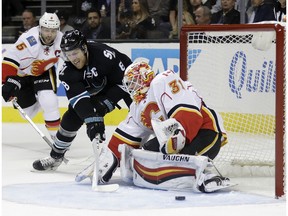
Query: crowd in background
x,y
150,19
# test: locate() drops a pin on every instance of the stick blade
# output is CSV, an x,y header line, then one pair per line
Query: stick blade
x,y
105,188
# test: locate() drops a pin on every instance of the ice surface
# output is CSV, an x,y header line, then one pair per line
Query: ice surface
x,y
26,192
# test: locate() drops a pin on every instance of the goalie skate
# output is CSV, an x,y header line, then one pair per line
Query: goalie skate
x,y
215,183
47,163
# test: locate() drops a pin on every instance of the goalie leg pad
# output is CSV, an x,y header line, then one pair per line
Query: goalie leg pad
x,y
126,163
161,171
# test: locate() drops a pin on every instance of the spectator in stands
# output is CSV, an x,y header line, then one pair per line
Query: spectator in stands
x,y
82,7
173,11
209,3
216,5
159,10
124,17
142,22
104,6
64,17
94,28
261,10
280,10
228,14
123,29
28,21
188,8
238,5
203,15
187,18
87,5
124,6
192,6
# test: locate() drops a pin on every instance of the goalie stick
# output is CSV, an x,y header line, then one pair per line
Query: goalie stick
x,y
24,114
95,185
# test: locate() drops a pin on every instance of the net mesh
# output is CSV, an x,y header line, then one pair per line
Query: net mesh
x,y
235,73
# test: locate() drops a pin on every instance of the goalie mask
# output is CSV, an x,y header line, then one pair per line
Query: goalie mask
x,y
137,79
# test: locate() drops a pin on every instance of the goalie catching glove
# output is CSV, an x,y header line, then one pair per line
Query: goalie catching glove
x,y
170,134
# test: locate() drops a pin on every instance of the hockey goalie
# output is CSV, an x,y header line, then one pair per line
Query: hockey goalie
x,y
168,139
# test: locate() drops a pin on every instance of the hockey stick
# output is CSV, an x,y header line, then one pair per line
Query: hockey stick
x,y
24,114
95,185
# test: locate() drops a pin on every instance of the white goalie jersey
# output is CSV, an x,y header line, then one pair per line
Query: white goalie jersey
x,y
29,56
168,97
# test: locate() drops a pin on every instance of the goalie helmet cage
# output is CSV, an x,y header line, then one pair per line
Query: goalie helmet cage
x,y
240,71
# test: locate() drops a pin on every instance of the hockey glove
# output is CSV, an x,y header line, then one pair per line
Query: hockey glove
x,y
170,135
95,125
11,87
103,106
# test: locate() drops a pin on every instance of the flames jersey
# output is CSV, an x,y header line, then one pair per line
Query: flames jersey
x,y
168,97
29,56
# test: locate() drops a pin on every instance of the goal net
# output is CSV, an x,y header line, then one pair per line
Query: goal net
x,y
239,71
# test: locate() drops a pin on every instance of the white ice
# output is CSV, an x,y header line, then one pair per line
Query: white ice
x,y
25,192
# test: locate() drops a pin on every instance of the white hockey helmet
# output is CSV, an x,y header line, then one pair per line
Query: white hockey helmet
x,y
137,79
49,20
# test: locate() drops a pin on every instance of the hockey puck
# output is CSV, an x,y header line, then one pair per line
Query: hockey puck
x,y
180,198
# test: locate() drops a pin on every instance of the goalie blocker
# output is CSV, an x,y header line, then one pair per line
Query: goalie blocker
x,y
169,171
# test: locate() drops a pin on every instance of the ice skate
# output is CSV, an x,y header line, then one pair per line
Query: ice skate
x,y
47,163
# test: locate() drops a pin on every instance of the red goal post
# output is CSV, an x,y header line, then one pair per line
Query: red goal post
x,y
240,71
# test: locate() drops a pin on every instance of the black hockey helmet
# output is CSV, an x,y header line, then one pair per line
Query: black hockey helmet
x,y
73,39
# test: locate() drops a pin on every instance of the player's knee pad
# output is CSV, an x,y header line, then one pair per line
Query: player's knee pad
x,y
108,163
49,102
161,171
32,110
